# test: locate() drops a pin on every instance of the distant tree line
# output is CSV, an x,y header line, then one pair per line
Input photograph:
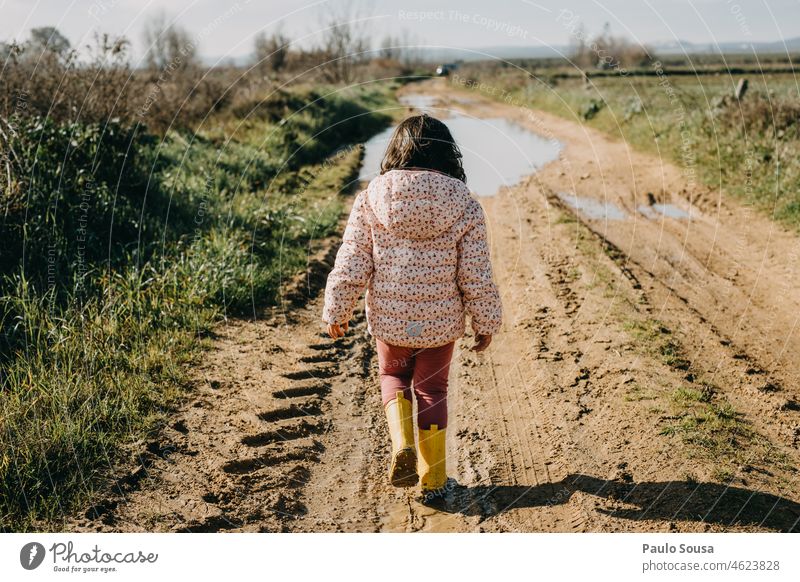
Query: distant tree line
x,y
606,51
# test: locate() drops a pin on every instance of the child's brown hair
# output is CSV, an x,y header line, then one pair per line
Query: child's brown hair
x,y
423,142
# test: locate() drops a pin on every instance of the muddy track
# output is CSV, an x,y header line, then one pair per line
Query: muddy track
x,y
564,425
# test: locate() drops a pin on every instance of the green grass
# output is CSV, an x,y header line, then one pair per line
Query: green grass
x,y
714,431
747,149
636,393
94,351
656,339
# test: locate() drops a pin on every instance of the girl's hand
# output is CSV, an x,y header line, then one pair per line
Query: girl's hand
x,y
336,331
482,342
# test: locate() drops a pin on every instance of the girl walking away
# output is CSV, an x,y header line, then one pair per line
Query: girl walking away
x,y
416,239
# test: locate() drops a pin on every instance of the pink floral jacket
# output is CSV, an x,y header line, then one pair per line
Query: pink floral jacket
x,y
417,240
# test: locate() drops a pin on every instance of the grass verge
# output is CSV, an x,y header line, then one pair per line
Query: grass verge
x,y
125,251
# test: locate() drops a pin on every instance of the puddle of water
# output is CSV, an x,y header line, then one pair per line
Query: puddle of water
x,y
657,211
424,103
496,152
374,149
593,209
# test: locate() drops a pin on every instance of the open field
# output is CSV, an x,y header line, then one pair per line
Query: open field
x,y
746,149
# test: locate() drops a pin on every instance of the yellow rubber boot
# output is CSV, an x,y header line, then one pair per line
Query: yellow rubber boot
x,y
403,469
432,465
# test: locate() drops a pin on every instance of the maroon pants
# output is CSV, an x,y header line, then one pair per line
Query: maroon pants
x,y
427,369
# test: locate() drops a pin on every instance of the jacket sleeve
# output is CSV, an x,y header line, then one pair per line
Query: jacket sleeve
x,y
481,298
353,267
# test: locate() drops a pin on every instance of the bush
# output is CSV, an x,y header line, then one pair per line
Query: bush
x,y
85,186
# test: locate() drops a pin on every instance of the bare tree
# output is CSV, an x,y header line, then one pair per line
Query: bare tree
x,y
390,48
344,41
47,39
410,53
271,52
168,46
606,51
580,54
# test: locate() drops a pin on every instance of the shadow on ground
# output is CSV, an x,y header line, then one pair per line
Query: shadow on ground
x,y
713,503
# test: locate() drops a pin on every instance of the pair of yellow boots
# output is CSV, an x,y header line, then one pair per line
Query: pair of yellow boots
x,y
406,468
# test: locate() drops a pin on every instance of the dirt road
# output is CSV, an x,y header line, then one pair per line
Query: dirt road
x,y
646,379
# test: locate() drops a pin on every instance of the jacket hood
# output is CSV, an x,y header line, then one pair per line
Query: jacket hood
x,y
417,204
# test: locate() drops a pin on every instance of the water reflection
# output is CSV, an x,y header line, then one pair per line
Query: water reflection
x,y
657,211
496,152
423,103
593,209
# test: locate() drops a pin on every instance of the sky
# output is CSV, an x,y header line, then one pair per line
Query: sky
x,y
225,28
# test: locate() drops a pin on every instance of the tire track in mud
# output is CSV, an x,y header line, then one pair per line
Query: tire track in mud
x,y
710,352
287,442
522,457
712,359
563,303
248,442
339,489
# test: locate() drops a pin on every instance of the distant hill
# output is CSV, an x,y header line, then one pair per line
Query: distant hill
x,y
683,46
675,47
791,45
